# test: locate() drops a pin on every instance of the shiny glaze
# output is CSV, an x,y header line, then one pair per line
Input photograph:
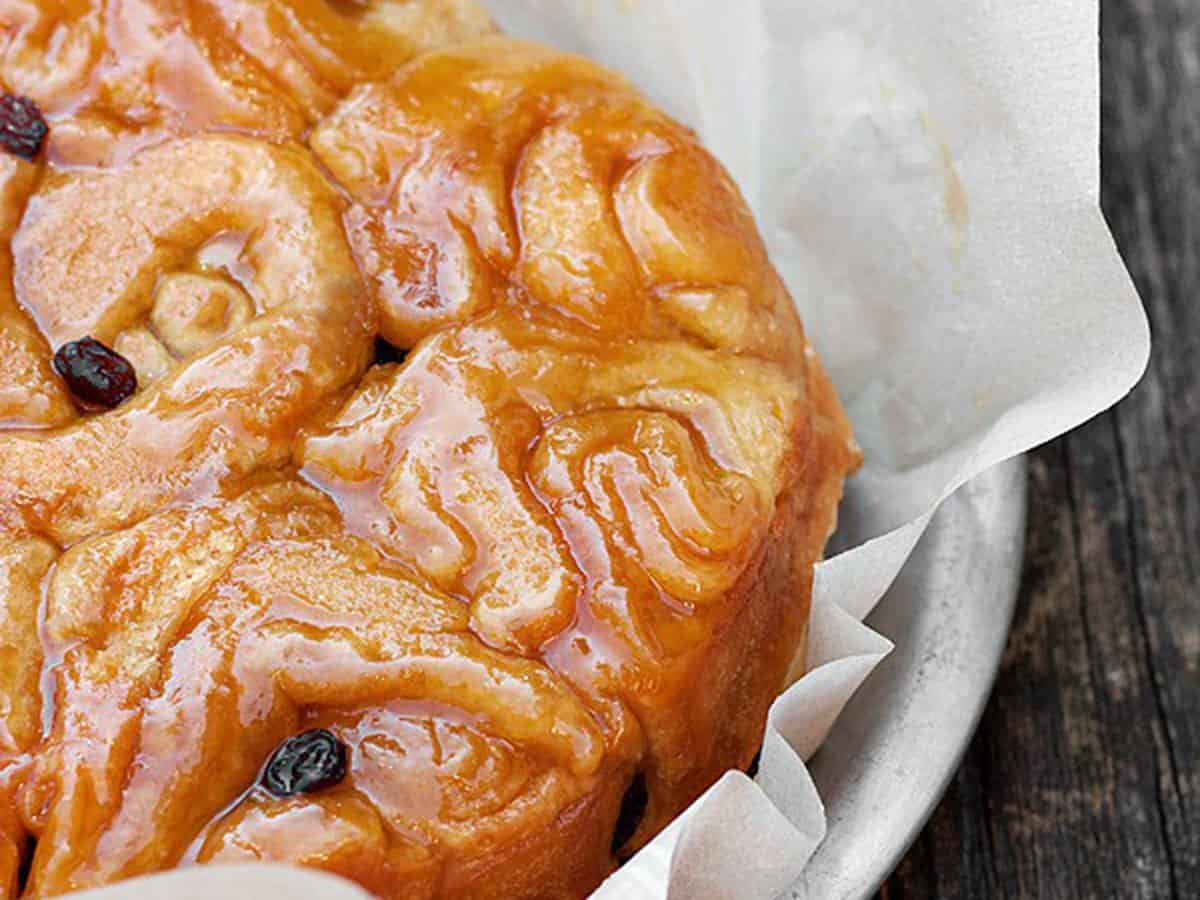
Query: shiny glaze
x,y
266,593
505,173
88,259
114,76
507,572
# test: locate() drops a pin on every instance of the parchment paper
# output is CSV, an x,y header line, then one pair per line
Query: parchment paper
x,y
926,174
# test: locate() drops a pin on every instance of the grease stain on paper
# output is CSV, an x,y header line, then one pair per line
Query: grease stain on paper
x,y
955,197
954,192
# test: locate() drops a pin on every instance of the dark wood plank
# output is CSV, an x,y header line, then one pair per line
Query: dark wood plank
x,y
1084,778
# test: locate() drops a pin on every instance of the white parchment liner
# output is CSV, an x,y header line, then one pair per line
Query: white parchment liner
x,y
926,174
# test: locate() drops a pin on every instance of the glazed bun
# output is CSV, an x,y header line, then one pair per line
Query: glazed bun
x,y
411,465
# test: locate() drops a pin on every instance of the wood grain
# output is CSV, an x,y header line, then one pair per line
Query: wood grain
x,y
1084,778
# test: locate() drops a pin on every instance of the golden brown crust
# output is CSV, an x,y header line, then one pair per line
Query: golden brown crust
x,y
722,707
562,552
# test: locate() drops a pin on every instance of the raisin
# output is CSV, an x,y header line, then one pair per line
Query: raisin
x,y
304,763
96,375
388,353
22,128
633,809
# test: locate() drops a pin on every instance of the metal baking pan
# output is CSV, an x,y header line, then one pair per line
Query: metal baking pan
x,y
895,748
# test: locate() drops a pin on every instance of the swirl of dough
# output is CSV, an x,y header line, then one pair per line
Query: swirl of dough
x,y
520,464
116,75
240,625
427,469
113,76
245,362
428,156
640,478
503,172
444,808
319,49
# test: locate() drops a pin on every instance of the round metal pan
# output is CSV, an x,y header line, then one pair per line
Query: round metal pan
x,y
896,746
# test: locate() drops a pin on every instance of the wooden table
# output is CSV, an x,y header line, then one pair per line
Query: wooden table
x,y
1084,779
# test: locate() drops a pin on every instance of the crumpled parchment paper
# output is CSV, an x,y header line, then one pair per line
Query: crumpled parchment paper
x,y
926,174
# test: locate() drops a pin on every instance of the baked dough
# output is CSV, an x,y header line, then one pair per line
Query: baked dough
x,y
539,563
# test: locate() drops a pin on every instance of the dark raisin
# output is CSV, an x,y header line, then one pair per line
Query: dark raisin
x,y
633,808
304,763
388,353
22,128
96,375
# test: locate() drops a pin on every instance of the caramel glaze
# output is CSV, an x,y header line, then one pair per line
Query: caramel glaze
x,y
567,540
114,76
